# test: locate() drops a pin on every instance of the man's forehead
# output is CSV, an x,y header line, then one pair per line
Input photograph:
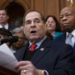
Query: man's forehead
x,y
32,15
3,11
67,10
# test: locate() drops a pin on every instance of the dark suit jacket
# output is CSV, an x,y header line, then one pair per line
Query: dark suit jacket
x,y
11,27
53,56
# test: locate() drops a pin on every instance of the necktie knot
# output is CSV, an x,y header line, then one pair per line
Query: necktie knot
x,y
32,48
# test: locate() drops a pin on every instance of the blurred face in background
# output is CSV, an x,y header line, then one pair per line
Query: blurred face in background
x,y
51,25
34,27
3,17
67,19
21,40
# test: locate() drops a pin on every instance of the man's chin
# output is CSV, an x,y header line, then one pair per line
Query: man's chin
x,y
34,38
67,30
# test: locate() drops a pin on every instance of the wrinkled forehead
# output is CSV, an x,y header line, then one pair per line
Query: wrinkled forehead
x,y
32,15
67,10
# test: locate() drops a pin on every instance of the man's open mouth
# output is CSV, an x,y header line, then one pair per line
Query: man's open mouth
x,y
33,31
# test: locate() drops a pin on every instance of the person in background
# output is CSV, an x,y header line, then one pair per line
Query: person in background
x,y
6,37
67,20
53,26
41,55
21,38
4,20
4,33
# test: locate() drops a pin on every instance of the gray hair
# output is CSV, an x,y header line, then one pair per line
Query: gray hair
x,y
18,29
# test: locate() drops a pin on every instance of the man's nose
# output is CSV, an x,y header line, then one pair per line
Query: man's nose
x,y
32,24
64,18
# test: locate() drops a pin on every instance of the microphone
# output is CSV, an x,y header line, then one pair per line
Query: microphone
x,y
10,39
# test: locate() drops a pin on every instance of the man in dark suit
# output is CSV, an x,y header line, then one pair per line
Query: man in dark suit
x,y
51,57
4,20
67,20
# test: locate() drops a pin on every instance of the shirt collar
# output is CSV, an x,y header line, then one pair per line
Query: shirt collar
x,y
38,43
6,26
73,33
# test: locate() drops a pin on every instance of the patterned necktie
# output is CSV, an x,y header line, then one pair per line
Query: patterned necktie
x,y
32,48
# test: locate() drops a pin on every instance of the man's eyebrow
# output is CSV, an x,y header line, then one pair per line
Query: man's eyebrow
x,y
27,20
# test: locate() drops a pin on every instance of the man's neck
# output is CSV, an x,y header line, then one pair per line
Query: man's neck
x,y
37,40
38,43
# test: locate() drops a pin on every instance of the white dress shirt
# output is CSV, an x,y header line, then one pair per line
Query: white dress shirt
x,y
71,39
6,26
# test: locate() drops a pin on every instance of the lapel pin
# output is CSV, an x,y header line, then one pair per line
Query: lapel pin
x,y
42,49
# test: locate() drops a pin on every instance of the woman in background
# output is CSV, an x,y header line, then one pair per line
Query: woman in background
x,y
53,26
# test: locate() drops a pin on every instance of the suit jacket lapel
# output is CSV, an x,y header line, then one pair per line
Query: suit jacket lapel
x,y
20,54
41,52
